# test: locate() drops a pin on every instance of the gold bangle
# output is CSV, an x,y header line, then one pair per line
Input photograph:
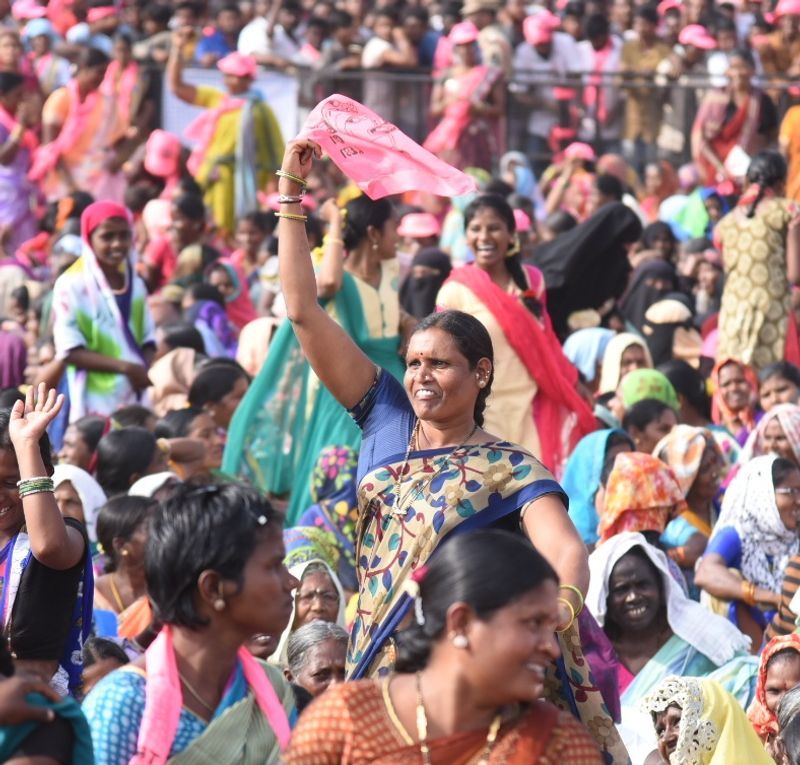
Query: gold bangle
x,y
332,240
574,589
748,592
571,610
291,177
291,216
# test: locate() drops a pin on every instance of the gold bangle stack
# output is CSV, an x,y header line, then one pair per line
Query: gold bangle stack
x,y
574,589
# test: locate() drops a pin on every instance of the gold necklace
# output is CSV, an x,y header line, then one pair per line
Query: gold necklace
x,y
419,485
422,731
196,695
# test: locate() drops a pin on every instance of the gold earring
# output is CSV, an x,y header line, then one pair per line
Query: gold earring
x,y
514,249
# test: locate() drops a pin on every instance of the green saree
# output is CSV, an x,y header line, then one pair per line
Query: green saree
x,y
276,434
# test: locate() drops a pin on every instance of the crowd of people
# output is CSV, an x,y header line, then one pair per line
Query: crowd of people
x,y
333,448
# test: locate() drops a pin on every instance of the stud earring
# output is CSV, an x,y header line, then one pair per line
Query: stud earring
x,y
219,604
374,245
460,641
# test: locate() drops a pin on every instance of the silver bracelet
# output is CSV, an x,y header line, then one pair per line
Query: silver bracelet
x,y
285,199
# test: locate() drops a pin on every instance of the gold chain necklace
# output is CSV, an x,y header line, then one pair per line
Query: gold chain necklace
x,y
196,695
419,485
422,731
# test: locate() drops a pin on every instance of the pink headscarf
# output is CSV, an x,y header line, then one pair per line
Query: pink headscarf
x,y
99,212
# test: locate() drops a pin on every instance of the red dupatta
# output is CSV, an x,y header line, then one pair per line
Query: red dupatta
x,y
562,417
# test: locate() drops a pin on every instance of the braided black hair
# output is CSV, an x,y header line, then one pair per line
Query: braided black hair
x,y
767,169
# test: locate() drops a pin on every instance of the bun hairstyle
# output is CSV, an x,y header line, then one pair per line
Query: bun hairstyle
x,y
767,169
473,342
487,570
361,213
513,262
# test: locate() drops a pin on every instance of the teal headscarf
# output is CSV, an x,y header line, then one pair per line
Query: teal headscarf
x,y
581,480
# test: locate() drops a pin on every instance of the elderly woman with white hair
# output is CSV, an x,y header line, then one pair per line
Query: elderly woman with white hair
x,y
315,656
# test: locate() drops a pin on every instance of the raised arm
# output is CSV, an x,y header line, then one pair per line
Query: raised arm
x,y
344,369
181,89
53,543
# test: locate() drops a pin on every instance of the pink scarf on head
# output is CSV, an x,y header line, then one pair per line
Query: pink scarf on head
x,y
164,698
561,416
75,125
120,84
10,123
201,131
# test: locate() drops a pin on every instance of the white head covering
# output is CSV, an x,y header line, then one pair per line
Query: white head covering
x,y
150,484
712,635
91,495
280,657
749,507
612,359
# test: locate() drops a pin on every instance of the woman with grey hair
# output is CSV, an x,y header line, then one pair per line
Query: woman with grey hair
x,y
316,656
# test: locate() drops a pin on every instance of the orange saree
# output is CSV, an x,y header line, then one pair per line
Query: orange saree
x,y
355,724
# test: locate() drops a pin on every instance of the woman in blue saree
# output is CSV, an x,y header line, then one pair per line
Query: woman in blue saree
x,y
427,469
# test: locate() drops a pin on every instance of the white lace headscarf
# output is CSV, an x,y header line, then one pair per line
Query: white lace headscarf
x,y
713,729
749,506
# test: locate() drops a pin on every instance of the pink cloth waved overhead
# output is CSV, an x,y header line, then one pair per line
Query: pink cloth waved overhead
x,y
376,155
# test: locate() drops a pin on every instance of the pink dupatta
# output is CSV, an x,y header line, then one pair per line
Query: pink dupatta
x,y
376,155
562,417
594,94
201,131
76,124
164,698
456,116
121,84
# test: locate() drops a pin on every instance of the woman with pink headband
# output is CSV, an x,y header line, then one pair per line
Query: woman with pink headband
x,y
238,143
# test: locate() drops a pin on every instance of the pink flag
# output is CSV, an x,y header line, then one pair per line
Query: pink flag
x,y
375,154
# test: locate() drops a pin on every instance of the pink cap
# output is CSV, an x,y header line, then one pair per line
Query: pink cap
x,y
419,226
463,33
162,153
270,201
697,36
98,14
238,65
28,9
578,150
522,221
787,8
538,29
667,5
